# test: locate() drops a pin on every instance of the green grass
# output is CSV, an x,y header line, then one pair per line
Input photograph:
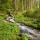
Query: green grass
x,y
8,31
29,18
2,17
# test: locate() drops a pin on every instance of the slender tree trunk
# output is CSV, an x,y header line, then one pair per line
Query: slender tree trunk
x,y
22,6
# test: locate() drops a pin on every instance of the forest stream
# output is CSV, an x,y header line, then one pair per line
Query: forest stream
x,y
33,34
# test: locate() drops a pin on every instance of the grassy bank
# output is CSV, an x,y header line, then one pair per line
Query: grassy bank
x,y
10,31
29,18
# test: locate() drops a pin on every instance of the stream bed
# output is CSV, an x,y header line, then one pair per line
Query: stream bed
x,y
33,34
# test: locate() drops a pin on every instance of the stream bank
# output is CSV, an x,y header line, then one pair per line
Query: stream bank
x,y
33,34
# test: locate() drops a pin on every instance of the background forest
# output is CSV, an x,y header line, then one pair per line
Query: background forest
x,y
23,11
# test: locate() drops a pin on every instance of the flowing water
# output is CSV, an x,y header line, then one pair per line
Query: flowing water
x,y
33,33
